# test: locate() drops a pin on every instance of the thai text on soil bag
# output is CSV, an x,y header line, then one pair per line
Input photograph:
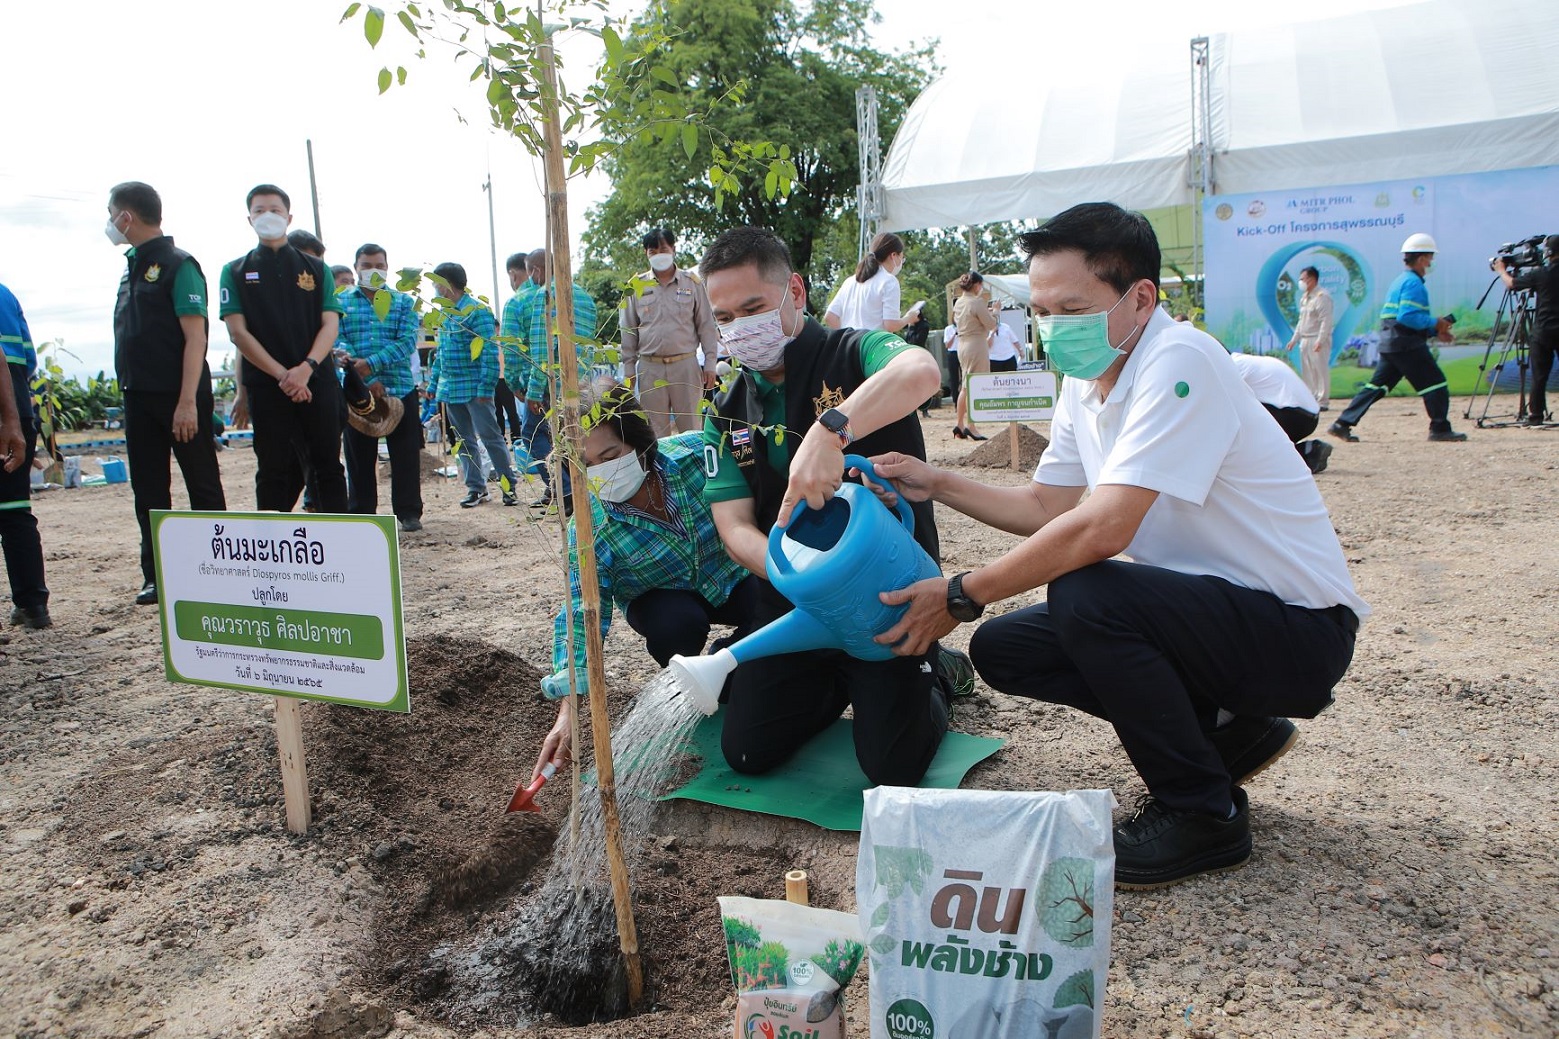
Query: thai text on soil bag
x,y
791,964
986,913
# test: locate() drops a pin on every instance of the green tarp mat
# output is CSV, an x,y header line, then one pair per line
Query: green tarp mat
x,y
822,784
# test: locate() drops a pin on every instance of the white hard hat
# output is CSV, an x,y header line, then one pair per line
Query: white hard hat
x,y
1419,243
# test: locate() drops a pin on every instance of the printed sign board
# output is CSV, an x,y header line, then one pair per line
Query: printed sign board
x,y
1026,395
306,606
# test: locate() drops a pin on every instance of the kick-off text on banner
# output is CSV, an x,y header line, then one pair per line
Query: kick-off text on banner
x,y
1021,396
304,606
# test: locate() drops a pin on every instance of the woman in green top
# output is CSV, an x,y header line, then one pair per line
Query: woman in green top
x,y
658,554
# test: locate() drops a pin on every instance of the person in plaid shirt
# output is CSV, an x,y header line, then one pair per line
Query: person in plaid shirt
x,y
658,554
537,314
381,350
465,384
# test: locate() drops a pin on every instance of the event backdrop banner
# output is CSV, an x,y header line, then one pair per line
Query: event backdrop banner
x,y
1257,244
307,606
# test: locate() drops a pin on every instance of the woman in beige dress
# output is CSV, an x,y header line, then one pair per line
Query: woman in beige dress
x,y
975,318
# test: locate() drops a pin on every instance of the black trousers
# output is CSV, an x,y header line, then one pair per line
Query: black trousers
x,y
1009,365
955,375
19,540
1156,653
1541,351
283,428
778,703
508,411
362,466
149,442
677,621
1418,366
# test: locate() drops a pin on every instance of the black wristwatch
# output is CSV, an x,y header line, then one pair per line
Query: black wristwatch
x,y
313,364
962,608
837,423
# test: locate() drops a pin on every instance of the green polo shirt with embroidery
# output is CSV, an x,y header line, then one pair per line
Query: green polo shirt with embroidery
x,y
728,483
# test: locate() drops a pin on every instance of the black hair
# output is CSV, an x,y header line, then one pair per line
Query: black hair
x,y
656,237
620,410
1310,271
516,262
741,246
453,274
370,249
140,199
268,189
1118,246
883,246
969,281
1408,259
305,242
340,269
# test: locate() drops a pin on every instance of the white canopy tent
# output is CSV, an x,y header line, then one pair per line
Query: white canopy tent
x,y
1431,89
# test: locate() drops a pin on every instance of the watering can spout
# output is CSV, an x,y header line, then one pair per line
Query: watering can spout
x,y
702,678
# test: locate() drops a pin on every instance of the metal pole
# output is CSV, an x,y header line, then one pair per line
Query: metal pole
x,y
974,250
313,188
492,235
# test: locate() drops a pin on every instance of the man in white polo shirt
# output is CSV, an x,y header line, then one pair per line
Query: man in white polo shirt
x,y
1236,611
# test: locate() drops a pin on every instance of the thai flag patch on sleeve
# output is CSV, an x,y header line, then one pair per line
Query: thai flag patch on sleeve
x,y
741,437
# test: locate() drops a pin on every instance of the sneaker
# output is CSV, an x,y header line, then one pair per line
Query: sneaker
x,y
955,665
544,502
1448,436
1159,845
1320,451
147,596
1249,746
510,498
1531,420
474,499
492,476
1342,431
411,524
34,618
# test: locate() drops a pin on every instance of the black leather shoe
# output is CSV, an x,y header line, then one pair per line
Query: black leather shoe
x,y
1248,746
1342,431
34,618
1160,845
1448,437
147,596
411,524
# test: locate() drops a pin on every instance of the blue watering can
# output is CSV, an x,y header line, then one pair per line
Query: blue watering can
x,y
832,563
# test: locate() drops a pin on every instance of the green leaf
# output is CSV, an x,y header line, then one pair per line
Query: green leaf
x,y
382,303
400,74
883,944
614,44
476,347
384,80
350,11
770,184
410,25
898,868
373,26
665,75
495,91
880,914
690,139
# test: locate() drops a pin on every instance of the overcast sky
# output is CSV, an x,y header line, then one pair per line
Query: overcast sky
x,y
205,98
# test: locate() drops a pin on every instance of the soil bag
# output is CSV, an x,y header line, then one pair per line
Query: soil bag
x,y
986,913
790,964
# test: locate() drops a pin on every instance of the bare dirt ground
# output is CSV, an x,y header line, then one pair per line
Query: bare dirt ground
x,y
1403,884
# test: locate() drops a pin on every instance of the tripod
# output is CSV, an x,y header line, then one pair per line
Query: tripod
x,y
1511,332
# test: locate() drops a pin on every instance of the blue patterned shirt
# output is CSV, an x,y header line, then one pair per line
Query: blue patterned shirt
x,y
541,348
636,553
515,364
457,378
15,337
386,345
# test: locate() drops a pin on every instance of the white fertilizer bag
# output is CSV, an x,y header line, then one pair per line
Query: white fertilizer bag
x,y
986,913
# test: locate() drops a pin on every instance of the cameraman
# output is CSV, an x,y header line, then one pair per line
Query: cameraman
x,y
1406,323
1544,281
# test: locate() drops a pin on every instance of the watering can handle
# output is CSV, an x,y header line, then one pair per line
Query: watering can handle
x,y
777,555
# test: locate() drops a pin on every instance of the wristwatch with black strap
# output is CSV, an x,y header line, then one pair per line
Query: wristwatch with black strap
x,y
837,423
960,606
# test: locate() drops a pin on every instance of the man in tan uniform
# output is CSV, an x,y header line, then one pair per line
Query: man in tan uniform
x,y
1313,335
662,329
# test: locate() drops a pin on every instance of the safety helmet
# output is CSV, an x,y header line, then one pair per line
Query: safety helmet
x,y
1419,243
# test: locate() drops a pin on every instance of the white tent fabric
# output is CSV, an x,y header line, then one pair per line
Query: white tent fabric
x,y
1431,89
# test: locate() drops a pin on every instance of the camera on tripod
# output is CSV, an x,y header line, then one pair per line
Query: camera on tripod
x,y
1519,255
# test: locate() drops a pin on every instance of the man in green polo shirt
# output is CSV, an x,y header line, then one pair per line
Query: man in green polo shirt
x,y
775,443
282,312
160,333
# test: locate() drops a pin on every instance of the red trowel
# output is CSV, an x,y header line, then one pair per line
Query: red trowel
x,y
524,799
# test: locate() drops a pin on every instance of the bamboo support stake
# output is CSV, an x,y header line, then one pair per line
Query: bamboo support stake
x,y
1012,432
796,888
294,772
567,409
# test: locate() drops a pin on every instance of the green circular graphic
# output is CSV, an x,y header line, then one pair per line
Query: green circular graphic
x,y
1182,390
909,1019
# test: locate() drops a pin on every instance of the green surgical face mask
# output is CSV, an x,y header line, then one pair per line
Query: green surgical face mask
x,y
1078,345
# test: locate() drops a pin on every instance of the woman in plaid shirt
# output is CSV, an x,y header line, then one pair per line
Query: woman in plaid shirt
x,y
658,554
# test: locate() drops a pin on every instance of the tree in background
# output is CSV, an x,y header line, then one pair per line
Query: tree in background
x,y
796,68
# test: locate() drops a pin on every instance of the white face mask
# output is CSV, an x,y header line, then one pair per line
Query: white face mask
x,y
660,263
757,341
372,278
114,234
616,480
270,226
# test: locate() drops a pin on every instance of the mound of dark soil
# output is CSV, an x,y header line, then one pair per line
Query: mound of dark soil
x,y
996,453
